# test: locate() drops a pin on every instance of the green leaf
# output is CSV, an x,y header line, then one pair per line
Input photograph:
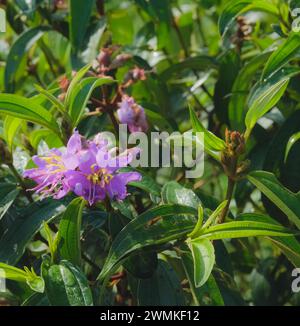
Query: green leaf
x,y
52,239
36,283
287,201
13,273
293,139
91,50
80,12
142,265
286,52
56,102
11,126
38,135
74,82
245,228
17,236
211,141
145,231
288,245
7,200
66,285
209,289
237,7
198,63
27,109
264,99
229,69
18,50
198,226
36,299
147,183
240,90
69,232
81,94
203,254
174,193
162,289
214,215
156,119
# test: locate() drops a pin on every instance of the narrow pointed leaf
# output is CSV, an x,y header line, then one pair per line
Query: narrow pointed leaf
x,y
69,232
27,109
283,198
212,142
287,51
81,94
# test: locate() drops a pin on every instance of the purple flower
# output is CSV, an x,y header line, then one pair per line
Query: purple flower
x,y
132,114
87,168
50,172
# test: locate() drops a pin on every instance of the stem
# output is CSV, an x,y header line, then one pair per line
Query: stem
x,y
180,38
114,121
20,181
100,7
229,194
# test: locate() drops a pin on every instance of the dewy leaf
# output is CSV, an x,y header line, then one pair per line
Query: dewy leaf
x,y
66,285
174,193
69,232
26,109
174,222
283,198
286,52
203,257
81,94
237,7
211,141
18,50
290,144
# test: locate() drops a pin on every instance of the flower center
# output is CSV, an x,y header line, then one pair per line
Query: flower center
x,y
99,176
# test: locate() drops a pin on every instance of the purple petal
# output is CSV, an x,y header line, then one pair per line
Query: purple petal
x,y
74,143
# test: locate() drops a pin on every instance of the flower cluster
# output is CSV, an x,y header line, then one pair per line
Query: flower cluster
x,y
129,111
132,114
87,168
